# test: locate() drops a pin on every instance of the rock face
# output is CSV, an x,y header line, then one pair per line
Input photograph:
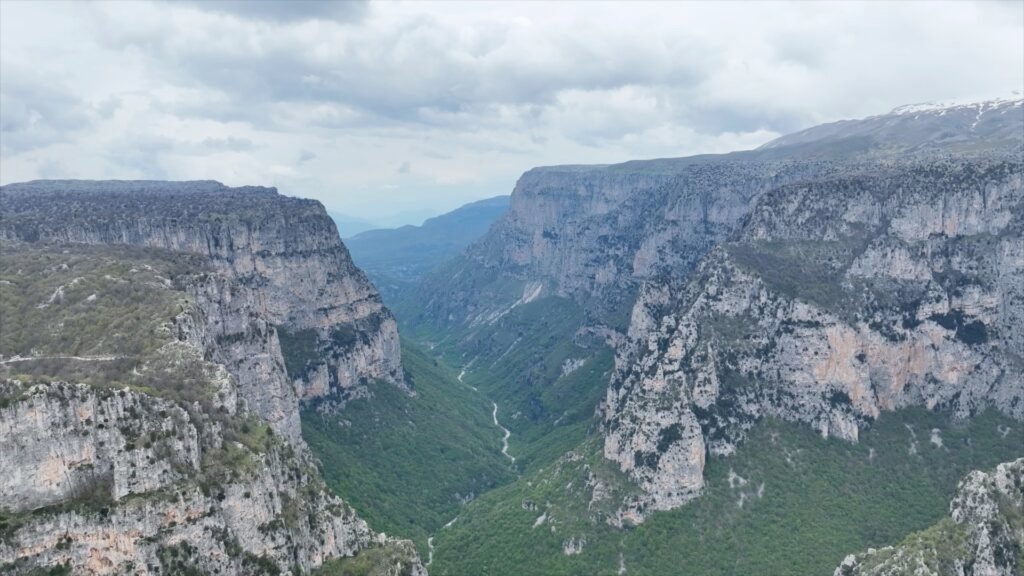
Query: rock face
x,y
117,481
596,233
835,300
283,263
984,534
593,233
221,310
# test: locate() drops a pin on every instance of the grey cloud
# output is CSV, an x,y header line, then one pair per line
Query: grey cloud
x,y
229,144
52,170
109,106
715,119
418,71
430,153
404,168
808,51
287,10
305,156
37,111
141,154
144,153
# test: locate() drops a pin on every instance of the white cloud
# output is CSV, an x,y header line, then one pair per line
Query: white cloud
x,y
325,100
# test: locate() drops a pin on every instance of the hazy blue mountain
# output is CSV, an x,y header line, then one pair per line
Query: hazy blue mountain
x,y
404,218
394,258
349,226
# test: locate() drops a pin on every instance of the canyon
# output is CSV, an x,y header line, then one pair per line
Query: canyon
x,y
630,358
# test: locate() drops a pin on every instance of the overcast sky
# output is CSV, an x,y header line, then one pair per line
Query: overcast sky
x,y
415,108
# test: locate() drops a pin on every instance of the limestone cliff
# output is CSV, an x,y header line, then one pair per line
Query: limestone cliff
x,y
835,299
283,262
983,536
596,233
158,339
108,482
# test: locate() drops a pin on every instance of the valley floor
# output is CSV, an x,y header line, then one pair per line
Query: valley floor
x,y
436,468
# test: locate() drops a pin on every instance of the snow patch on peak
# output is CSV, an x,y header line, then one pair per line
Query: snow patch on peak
x,y
944,107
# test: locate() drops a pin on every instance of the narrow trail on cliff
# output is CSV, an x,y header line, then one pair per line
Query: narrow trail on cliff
x,y
79,358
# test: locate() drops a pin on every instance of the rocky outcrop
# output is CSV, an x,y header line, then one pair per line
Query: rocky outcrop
x,y
834,301
63,438
282,254
983,536
544,245
105,481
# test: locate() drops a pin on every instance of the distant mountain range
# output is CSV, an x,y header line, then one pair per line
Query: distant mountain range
x,y
349,226
394,258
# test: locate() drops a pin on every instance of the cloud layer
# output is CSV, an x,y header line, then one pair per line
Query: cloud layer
x,y
380,108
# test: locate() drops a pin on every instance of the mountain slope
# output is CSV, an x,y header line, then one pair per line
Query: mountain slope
x,y
827,281
409,464
333,329
955,128
786,503
984,533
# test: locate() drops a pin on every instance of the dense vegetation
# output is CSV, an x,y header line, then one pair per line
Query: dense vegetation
x,y
788,502
407,464
545,378
88,300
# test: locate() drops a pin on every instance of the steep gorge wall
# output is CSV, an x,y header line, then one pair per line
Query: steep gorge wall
x,y
287,265
597,233
200,462
106,481
834,301
856,267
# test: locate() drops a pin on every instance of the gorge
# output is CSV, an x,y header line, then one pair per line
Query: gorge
x,y
756,362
